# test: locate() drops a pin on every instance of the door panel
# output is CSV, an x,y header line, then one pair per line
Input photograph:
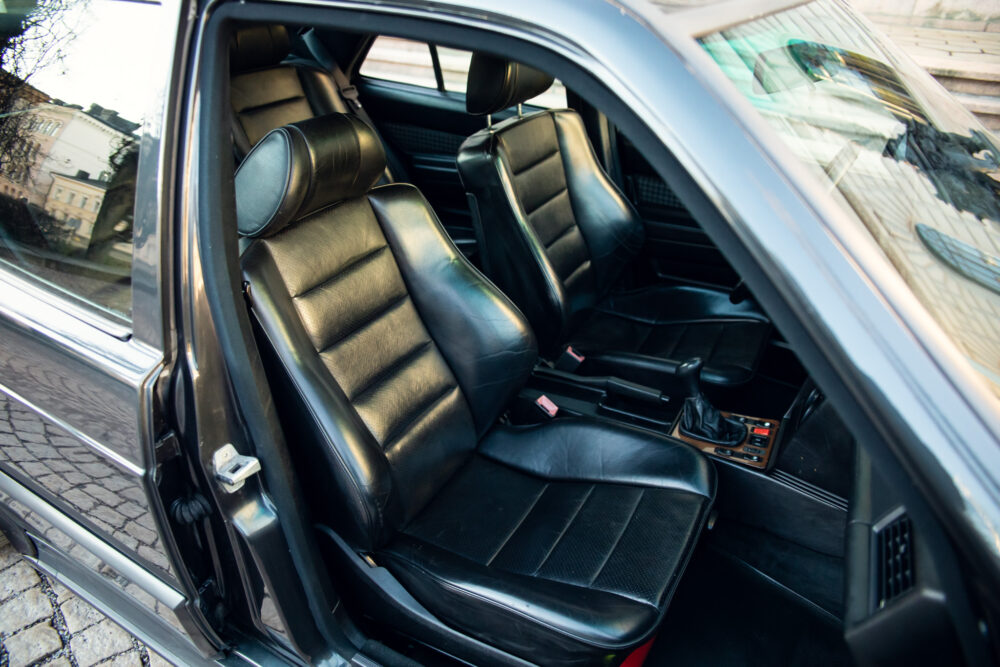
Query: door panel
x,y
676,248
424,128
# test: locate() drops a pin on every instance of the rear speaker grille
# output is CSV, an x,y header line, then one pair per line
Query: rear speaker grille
x,y
895,559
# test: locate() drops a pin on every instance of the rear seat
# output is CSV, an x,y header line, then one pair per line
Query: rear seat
x,y
268,93
269,90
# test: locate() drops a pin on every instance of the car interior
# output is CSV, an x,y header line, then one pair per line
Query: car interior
x,y
536,414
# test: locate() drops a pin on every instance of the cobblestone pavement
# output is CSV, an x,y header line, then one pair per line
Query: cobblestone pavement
x,y
44,623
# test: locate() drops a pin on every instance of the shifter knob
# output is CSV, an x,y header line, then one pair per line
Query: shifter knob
x,y
690,374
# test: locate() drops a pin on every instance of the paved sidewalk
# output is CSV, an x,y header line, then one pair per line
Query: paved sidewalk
x,y
44,623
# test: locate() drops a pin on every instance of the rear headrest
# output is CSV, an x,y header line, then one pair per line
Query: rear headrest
x,y
301,168
497,83
257,47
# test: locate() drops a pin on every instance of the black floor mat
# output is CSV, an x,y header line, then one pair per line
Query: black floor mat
x,y
816,576
821,452
725,614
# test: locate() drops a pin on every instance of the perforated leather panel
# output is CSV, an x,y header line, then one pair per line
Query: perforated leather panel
x,y
625,540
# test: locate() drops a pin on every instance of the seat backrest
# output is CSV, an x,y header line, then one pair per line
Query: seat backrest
x,y
556,230
390,353
266,93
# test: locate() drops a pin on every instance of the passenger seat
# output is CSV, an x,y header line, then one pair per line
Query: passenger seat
x,y
393,358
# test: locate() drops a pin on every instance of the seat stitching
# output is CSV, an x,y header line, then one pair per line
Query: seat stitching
x,y
536,163
546,200
518,524
611,551
565,529
585,263
444,583
367,321
422,412
569,228
271,104
391,369
353,265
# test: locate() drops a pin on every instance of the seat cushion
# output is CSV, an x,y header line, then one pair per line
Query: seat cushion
x,y
562,542
643,335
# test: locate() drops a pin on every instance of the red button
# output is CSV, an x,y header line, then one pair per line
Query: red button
x,y
546,405
761,431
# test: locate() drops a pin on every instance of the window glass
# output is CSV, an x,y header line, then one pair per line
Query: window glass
x,y
455,72
454,68
71,111
401,60
915,169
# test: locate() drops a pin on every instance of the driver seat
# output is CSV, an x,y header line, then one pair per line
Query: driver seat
x,y
392,357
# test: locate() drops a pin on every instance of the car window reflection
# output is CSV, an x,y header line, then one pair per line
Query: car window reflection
x,y
914,167
72,94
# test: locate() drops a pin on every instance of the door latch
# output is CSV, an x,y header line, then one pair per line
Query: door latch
x,y
233,469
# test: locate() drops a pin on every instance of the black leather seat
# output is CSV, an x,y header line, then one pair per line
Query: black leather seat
x,y
266,92
558,235
562,542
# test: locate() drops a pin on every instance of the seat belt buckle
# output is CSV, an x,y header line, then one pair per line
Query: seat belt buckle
x,y
569,360
546,405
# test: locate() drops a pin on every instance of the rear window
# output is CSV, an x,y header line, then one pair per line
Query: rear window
x,y
432,66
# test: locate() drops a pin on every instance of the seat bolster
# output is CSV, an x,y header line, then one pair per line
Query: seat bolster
x,y
549,621
588,450
482,335
669,304
611,226
333,438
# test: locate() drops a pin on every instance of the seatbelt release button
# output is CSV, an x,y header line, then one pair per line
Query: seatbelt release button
x,y
569,360
546,405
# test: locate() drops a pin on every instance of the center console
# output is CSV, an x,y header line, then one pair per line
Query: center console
x,y
742,439
755,449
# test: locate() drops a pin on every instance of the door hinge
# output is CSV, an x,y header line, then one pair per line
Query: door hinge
x,y
233,469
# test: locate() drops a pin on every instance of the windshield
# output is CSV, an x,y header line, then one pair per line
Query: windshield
x,y
917,170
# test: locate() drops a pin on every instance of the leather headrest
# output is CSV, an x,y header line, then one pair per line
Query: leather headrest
x,y
258,47
497,83
301,168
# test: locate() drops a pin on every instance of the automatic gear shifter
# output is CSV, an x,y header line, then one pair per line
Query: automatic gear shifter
x,y
700,419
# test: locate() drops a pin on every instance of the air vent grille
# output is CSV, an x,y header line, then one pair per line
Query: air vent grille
x,y
895,554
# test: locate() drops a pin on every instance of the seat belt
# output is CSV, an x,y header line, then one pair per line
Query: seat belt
x,y
348,93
